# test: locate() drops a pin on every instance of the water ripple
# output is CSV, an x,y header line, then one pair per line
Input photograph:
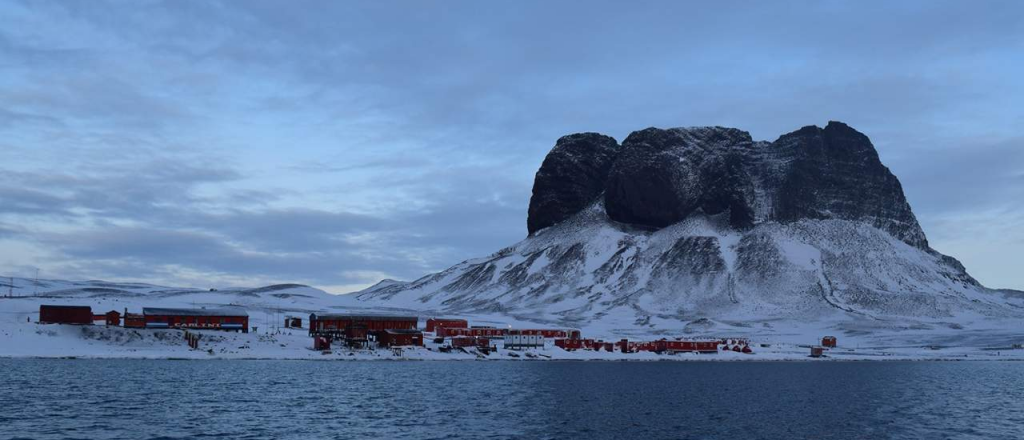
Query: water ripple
x,y
133,399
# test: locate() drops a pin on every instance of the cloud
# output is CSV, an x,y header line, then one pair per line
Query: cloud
x,y
340,142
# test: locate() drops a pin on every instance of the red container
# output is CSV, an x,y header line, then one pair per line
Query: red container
x,y
225,319
50,314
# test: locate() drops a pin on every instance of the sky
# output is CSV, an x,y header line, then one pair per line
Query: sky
x,y
335,144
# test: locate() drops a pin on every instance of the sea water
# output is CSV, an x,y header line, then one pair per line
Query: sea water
x,y
166,399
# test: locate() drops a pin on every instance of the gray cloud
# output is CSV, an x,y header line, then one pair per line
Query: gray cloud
x,y
216,142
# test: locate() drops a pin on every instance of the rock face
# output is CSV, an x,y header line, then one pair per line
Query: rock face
x,y
571,178
705,225
835,172
661,177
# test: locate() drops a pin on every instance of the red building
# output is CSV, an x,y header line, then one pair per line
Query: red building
x,y
50,314
335,324
112,317
828,341
134,320
550,333
470,341
399,338
492,332
667,346
217,319
576,344
356,335
486,332
434,323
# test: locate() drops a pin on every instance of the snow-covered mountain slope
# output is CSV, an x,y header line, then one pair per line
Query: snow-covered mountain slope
x,y
703,228
589,266
102,296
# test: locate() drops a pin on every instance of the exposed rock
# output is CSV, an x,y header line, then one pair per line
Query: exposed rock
x,y
835,172
663,176
571,178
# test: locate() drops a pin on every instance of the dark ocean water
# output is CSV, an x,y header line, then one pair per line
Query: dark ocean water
x,y
136,399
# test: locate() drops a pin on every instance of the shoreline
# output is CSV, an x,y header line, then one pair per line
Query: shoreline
x,y
506,359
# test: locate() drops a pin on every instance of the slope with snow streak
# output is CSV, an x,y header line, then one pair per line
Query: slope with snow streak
x,y
700,271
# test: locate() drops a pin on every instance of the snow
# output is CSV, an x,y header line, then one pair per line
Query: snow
x,y
801,254
972,337
882,298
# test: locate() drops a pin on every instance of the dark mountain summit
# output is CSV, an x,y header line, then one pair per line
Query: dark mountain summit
x,y
572,176
660,177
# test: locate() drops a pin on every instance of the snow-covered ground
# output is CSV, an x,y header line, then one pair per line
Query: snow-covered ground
x,y
966,338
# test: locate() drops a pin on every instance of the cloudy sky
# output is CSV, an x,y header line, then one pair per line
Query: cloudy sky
x,y
338,143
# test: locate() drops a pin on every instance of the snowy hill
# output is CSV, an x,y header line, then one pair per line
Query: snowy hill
x,y
102,296
705,230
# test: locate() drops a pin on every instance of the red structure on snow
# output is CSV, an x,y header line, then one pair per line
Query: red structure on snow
x,y
112,317
577,344
660,346
399,338
134,320
667,346
492,332
549,333
321,343
335,324
50,314
828,341
486,332
470,341
434,323
223,319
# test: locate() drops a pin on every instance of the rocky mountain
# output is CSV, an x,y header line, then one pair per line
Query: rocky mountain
x,y
708,227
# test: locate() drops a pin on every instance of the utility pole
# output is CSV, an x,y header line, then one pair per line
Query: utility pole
x,y
35,290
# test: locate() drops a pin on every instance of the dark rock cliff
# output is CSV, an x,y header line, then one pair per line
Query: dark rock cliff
x,y
663,176
660,177
571,178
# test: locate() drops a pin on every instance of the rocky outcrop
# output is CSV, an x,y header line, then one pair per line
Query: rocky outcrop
x,y
661,177
571,178
835,172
